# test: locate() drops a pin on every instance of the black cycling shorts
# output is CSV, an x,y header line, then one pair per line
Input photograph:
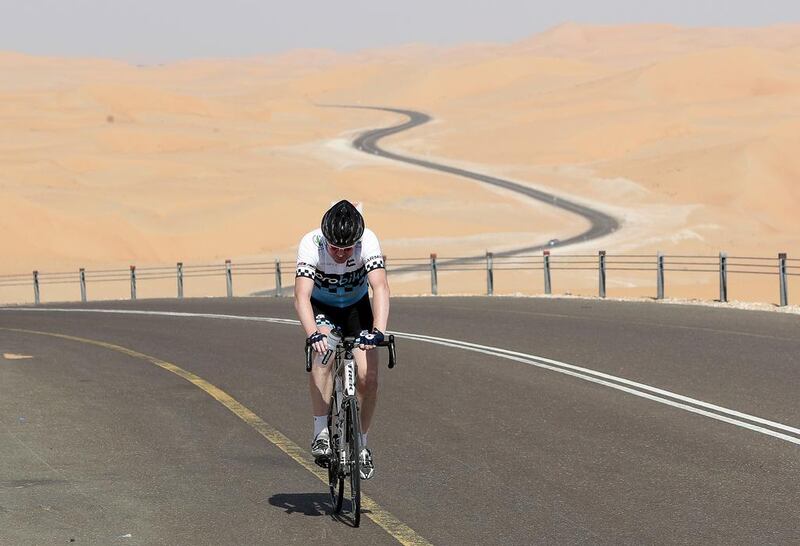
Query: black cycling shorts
x,y
352,319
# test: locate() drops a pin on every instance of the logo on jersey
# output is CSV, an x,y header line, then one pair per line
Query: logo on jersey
x,y
351,262
349,280
318,240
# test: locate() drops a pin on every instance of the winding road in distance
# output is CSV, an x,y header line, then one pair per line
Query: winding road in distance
x,y
601,224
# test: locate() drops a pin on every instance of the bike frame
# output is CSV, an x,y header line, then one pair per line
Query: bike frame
x,y
345,375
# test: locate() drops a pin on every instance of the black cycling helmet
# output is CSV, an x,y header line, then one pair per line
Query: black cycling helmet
x,y
342,225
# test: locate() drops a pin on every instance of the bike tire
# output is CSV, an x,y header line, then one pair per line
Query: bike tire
x,y
335,472
336,484
354,447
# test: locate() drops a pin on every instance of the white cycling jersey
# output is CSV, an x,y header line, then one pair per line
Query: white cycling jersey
x,y
339,285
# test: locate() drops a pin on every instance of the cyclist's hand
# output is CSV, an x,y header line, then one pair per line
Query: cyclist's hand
x,y
318,341
369,340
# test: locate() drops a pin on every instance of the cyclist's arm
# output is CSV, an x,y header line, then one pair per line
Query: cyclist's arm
x,y
302,304
380,298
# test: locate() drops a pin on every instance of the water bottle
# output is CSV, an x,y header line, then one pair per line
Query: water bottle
x,y
334,337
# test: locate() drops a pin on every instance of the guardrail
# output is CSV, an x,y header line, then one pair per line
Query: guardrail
x,y
603,263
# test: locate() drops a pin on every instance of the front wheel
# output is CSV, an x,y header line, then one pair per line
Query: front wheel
x,y
354,452
335,471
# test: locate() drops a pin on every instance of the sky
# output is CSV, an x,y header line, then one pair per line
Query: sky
x,y
167,30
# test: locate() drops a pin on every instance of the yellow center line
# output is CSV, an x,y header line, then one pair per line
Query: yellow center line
x,y
396,528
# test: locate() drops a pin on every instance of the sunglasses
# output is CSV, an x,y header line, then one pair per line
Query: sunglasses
x,y
340,248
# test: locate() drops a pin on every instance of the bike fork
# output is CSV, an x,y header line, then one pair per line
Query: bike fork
x,y
348,386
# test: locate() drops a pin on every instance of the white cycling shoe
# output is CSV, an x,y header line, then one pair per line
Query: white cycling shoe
x,y
321,447
367,467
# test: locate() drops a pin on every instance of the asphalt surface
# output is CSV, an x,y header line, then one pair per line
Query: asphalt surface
x,y
470,448
600,224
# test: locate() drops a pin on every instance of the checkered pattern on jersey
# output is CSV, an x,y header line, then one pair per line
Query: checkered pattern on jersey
x,y
305,270
322,320
374,262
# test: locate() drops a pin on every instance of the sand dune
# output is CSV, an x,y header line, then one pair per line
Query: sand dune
x,y
722,74
690,135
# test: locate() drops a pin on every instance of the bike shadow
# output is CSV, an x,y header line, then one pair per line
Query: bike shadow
x,y
308,504
311,504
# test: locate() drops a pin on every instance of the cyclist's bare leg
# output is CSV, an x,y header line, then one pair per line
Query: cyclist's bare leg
x,y
367,389
320,381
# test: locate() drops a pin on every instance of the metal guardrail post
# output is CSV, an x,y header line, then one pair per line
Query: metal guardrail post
x,y
36,287
278,280
434,276
602,273
548,289
229,277
723,277
489,273
83,284
133,282
180,279
659,276
783,279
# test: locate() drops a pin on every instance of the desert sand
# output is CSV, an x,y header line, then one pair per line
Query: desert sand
x,y
690,136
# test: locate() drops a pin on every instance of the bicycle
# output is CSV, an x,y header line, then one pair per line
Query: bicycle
x,y
344,423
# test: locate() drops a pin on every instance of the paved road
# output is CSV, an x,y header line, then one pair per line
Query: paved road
x,y
471,447
601,224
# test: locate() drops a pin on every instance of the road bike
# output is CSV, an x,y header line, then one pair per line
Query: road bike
x,y
344,424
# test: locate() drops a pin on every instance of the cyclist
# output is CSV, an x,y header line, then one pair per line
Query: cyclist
x,y
334,266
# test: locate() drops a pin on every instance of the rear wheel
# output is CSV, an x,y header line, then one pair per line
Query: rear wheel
x,y
354,454
336,484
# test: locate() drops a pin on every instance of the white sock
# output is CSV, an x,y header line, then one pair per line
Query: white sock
x,y
363,440
320,424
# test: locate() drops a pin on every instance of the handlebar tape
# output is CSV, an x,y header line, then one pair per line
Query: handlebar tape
x,y
309,352
392,353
